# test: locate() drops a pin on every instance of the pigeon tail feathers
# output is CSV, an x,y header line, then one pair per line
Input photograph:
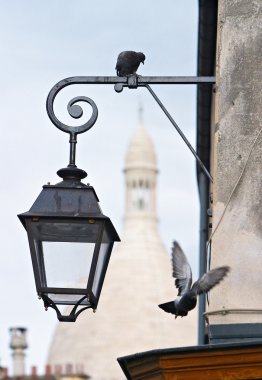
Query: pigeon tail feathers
x,y
168,307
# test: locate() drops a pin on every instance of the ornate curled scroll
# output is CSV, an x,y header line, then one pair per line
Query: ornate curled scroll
x,y
74,111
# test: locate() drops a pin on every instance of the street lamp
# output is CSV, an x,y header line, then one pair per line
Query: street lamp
x,y
70,239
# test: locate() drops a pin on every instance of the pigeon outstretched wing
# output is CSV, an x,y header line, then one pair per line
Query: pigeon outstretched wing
x,y
210,279
181,269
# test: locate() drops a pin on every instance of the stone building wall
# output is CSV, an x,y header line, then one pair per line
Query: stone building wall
x,y
237,162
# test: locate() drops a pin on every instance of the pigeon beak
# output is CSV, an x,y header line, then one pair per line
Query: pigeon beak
x,y
143,62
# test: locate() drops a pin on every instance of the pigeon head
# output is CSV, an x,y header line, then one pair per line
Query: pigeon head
x,y
141,57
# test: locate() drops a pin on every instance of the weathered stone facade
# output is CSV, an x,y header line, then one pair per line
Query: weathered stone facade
x,y
237,162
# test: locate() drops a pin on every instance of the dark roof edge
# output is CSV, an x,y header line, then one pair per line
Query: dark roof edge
x,y
207,31
186,350
191,349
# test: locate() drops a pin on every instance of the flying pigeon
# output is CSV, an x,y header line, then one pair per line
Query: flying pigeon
x,y
187,294
128,63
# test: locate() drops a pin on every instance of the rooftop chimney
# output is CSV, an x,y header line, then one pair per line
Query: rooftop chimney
x,y
3,372
34,371
18,344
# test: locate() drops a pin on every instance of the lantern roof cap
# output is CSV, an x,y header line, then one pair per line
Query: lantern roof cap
x,y
69,198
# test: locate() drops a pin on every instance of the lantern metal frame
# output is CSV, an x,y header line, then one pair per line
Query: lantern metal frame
x,y
45,210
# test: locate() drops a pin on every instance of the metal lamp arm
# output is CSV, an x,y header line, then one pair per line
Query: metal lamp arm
x,y
132,82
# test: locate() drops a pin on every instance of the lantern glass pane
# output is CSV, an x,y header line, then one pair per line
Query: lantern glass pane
x,y
64,252
100,266
104,252
67,299
67,265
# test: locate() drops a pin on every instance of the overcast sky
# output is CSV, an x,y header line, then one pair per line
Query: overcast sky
x,y
43,42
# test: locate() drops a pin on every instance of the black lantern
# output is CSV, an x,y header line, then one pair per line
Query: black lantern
x,y
70,239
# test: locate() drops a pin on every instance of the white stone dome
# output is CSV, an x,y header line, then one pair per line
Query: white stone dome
x,y
141,152
139,277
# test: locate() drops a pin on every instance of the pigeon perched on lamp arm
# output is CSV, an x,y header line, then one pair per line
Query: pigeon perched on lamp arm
x,y
187,293
128,63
